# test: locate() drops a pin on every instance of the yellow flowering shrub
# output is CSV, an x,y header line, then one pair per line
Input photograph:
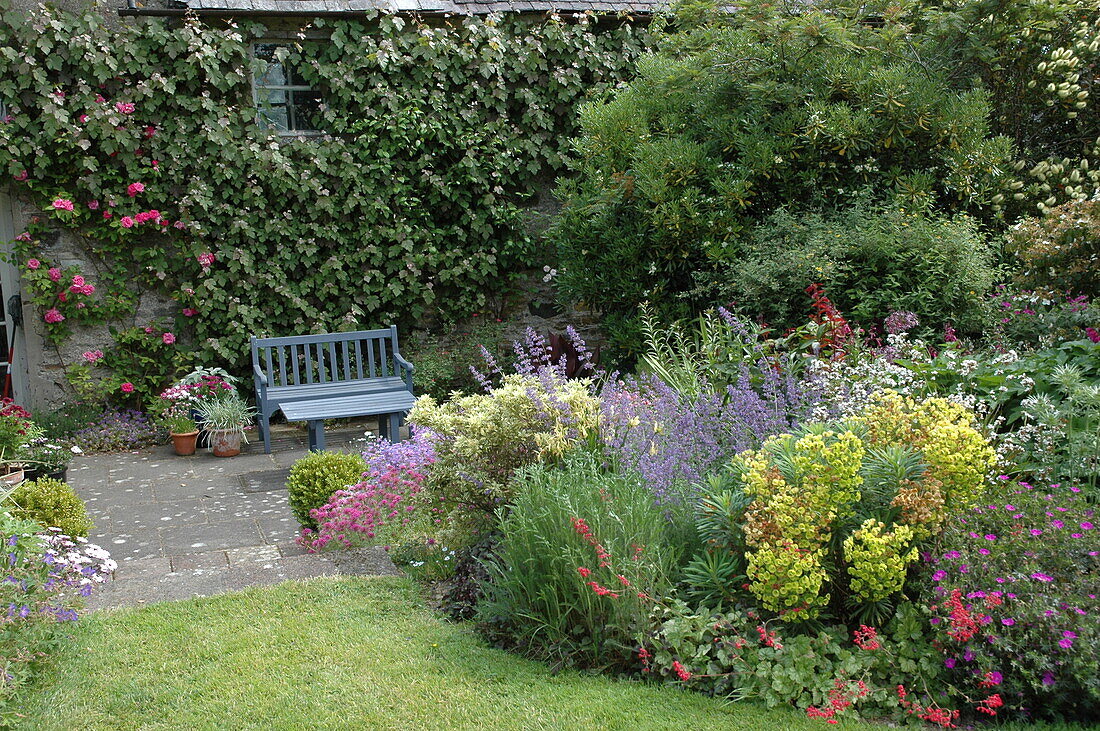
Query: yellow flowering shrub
x,y
878,559
788,580
895,470
957,454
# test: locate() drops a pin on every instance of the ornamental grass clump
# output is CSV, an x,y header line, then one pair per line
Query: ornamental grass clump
x,y
583,556
1013,592
829,519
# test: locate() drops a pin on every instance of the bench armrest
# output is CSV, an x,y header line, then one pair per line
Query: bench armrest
x,y
259,377
406,366
400,360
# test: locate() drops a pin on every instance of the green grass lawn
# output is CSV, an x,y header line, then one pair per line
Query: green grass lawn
x,y
338,653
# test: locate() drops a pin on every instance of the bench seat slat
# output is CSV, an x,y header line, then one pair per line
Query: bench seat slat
x,y
338,407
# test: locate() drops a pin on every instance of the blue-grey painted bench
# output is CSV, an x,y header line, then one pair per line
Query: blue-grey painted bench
x,y
316,377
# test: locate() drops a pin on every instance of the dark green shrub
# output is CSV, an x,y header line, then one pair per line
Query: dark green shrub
x,y
443,359
53,504
316,476
582,556
871,262
737,116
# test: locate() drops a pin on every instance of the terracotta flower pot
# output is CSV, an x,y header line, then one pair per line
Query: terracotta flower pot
x,y
12,477
225,442
185,443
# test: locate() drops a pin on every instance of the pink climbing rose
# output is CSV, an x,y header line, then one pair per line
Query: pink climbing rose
x,y
63,204
93,205
126,222
54,274
168,338
189,312
53,315
125,108
87,289
92,356
134,188
78,282
127,387
205,259
33,263
21,176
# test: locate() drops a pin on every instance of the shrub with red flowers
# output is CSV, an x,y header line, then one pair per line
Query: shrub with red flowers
x,y
1014,597
583,556
828,672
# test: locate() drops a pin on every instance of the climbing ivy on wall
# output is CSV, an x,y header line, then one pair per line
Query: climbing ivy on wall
x,y
143,139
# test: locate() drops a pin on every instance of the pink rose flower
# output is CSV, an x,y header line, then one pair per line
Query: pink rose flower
x,y
205,259
78,281
127,387
127,222
54,274
189,312
82,118
87,289
125,107
154,163
107,215
25,236
33,263
134,188
150,131
92,355
53,315
168,338
99,98
63,204
149,330
21,176
180,225
93,205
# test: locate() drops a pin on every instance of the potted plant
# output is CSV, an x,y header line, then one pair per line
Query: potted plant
x,y
224,419
183,431
45,458
16,428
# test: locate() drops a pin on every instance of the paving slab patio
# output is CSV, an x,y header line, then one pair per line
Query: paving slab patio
x,y
194,526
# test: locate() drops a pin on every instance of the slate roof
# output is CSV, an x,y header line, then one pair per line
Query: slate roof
x,y
457,7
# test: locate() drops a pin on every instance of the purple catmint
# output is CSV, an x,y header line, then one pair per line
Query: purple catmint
x,y
672,440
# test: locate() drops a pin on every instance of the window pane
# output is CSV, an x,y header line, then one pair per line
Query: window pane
x,y
273,108
271,71
307,110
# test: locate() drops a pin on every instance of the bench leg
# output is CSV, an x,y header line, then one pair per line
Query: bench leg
x,y
263,423
317,435
394,427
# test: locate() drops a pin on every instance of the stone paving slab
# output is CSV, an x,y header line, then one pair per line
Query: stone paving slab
x,y
199,525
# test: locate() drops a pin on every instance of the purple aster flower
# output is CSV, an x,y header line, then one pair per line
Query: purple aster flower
x,y
1008,621
949,662
1048,678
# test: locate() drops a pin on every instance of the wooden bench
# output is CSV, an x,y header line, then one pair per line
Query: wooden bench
x,y
316,377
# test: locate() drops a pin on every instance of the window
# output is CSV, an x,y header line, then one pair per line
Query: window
x,y
285,101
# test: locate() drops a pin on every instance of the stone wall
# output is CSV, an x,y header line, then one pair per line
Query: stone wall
x,y
47,386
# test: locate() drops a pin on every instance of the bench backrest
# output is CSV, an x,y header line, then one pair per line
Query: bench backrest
x,y
329,358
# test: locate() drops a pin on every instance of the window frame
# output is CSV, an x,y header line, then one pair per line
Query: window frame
x,y
291,108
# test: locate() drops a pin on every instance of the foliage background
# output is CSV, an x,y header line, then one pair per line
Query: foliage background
x,y
980,109
407,209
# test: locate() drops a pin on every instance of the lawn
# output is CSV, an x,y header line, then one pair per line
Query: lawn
x,y
337,653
